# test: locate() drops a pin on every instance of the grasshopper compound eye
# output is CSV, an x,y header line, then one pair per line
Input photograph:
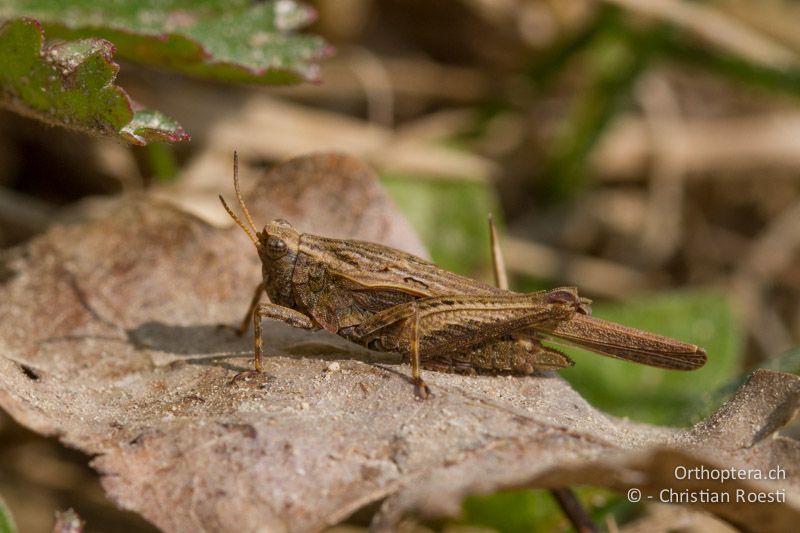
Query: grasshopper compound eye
x,y
276,247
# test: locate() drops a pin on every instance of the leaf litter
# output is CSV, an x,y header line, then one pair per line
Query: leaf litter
x,y
109,339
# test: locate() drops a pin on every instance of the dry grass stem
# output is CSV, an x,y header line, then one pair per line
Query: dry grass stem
x,y
376,83
414,78
773,251
724,148
716,28
662,230
596,276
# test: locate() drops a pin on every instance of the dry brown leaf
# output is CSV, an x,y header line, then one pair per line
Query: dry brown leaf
x,y
109,340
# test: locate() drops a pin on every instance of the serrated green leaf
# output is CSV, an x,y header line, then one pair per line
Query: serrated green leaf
x,y
149,125
651,394
232,40
70,84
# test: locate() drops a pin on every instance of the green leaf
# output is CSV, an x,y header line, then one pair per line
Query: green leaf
x,y
517,511
651,394
6,521
70,84
149,125
162,162
449,216
231,40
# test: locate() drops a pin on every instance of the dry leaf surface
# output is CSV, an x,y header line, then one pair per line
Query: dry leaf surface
x,y
109,340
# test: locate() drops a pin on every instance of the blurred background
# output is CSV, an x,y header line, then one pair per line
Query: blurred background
x,y
647,152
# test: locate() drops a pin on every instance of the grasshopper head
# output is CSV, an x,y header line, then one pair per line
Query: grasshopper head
x,y
277,245
278,241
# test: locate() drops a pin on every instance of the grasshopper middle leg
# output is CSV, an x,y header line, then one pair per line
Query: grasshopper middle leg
x,y
248,317
257,295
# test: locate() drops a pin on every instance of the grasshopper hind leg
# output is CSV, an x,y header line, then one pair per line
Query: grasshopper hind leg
x,y
420,387
431,329
514,356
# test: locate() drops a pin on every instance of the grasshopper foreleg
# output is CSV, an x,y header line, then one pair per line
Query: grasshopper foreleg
x,y
257,295
275,312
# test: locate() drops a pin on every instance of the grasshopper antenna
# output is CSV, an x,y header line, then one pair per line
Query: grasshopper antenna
x,y
239,192
241,203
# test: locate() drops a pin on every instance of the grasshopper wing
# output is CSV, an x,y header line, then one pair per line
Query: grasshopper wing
x,y
374,266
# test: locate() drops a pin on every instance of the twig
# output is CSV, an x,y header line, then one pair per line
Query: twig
x,y
571,506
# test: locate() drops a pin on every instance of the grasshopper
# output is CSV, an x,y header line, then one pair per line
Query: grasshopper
x,y
389,300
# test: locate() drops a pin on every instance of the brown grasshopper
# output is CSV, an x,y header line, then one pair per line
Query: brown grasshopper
x,y
389,300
